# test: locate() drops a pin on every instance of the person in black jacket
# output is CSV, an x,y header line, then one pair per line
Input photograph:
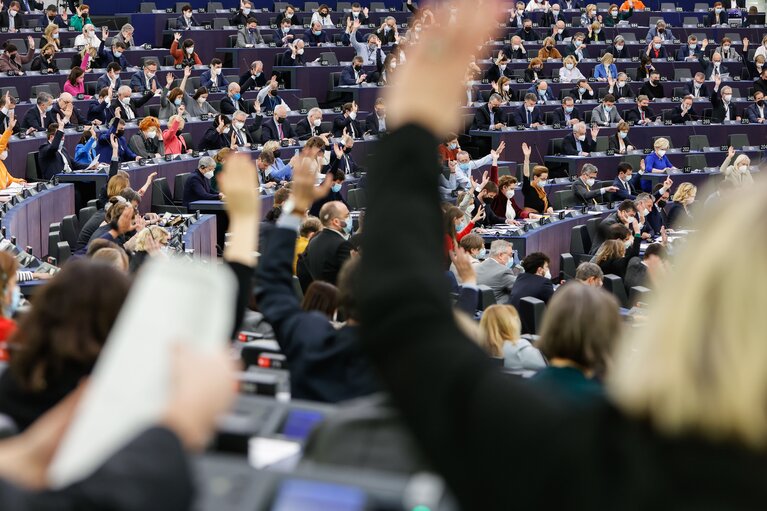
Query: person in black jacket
x,y
580,142
13,15
197,187
684,112
347,122
310,126
535,282
407,324
722,106
567,115
642,114
218,135
329,250
489,115
253,78
375,122
242,15
53,156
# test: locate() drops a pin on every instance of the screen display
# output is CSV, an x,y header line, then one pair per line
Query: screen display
x,y
300,423
300,495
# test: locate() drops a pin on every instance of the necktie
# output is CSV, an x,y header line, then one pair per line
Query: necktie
x,y
279,130
128,112
642,113
240,137
67,168
716,71
529,118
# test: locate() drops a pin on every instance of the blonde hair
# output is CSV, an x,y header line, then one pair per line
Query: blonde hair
x,y
178,118
607,58
140,242
591,7
571,60
743,158
696,366
661,143
548,40
499,323
114,257
610,249
684,192
48,33
270,146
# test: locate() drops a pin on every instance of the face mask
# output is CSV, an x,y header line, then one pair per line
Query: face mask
x,y
569,66
547,275
661,30
117,53
227,130
482,253
529,108
726,48
520,11
555,12
515,47
506,88
393,65
542,182
542,92
627,244
581,90
285,30
692,46
214,71
727,97
125,101
208,174
317,123
743,168
119,133
280,120
177,102
576,43
502,67
608,109
527,29
12,307
590,182
236,96
352,115
151,134
91,33
582,137
623,134
464,166
656,46
238,125
246,11
336,188
549,48
190,50
300,51
288,15
357,67
460,227
718,10
661,153
55,35
509,194
614,14
760,102
317,32
323,14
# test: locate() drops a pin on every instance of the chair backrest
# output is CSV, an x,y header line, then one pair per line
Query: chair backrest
x,y
592,225
695,161
70,230
308,103
64,63
531,314
631,72
690,20
681,73
614,284
486,297
33,167
311,6
345,6
563,199
54,238
11,90
147,7
180,5
377,6
701,7
357,198
64,251
86,213
679,92
20,44
602,144
330,57
178,186
161,195
189,141
94,203
739,140
698,142
556,146
667,6
215,6
629,37
55,89
567,265
90,88
638,294
580,241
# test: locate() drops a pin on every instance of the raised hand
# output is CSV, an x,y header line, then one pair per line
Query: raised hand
x,y
594,132
479,215
176,36
187,72
730,152
526,150
463,266
169,80
104,32
114,142
339,152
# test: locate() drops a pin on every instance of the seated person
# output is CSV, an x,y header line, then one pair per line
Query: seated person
x,y
577,48
691,51
148,142
653,88
655,49
583,187
502,327
145,80
642,114
615,225
353,74
660,32
489,115
516,50
580,142
657,161
680,213
606,70
499,67
315,36
714,68
533,191
278,128
615,16
347,122
218,135
197,187
697,86
567,115
526,32
717,16
614,255
649,271
757,113
569,72
333,195
311,125
595,34
582,91
684,112
249,35
534,71
618,48
535,282
541,90
528,114
626,183
212,79
496,272
548,51
606,113
619,88
619,142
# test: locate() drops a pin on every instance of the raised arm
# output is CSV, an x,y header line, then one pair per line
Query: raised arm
x,y
526,150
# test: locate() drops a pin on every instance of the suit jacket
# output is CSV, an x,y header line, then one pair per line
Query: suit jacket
x,y
652,91
578,97
239,19
181,22
304,131
570,148
324,256
690,87
678,118
635,115
656,219
353,127
548,19
658,54
684,52
482,118
623,92
586,195
315,40
207,82
135,105
708,68
760,85
106,57
75,120
494,73
497,277
712,20
547,97
326,363
19,21
244,37
99,111
636,274
371,124
622,54
278,35
718,110
558,116
197,187
530,284
613,143
269,131
519,116
51,162
138,83
602,229
347,76
103,82
625,190
288,60
599,116
32,119
212,139
227,106
250,82
104,147
753,113
385,37
5,121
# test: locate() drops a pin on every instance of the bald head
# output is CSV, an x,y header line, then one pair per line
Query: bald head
x,y
334,215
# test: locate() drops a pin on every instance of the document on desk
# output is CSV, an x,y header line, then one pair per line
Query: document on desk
x,y
173,301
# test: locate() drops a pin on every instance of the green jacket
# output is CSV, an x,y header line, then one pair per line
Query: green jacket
x,y
76,23
609,21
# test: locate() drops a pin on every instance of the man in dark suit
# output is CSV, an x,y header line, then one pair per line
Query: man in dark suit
x,y
282,36
98,108
618,49
347,121
353,75
551,17
388,30
580,142
489,116
278,128
218,135
626,182
329,249
197,187
146,79
128,106
642,114
500,67
528,115
567,115
625,215
114,55
691,50
722,107
310,126
684,112
526,32
583,187
242,15
761,83
12,18
375,123
560,32
111,78
58,107
244,135
657,218
582,91
341,157
757,113
34,119
325,362
620,88
713,69
535,282
212,79
253,78
53,156
8,110
315,36
639,271
186,20
233,101
697,86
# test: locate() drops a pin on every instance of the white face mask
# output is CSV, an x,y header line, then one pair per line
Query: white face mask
x,y
547,275
727,97
506,88
515,47
188,15
542,182
215,71
743,168
582,137
509,194
590,182
208,174
621,83
317,123
656,46
569,66
661,153
151,134
619,47
202,99
238,125
300,51
227,130
614,13
125,101
190,50
352,115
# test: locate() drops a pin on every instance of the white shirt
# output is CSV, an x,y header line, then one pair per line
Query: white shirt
x,y
570,75
82,40
325,22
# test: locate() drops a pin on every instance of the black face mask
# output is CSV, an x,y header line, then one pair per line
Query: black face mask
x,y
760,102
661,204
280,120
119,133
347,150
496,110
357,68
527,29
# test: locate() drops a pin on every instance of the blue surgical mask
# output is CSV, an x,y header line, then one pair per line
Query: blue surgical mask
x,y
623,134
482,253
236,96
464,166
460,227
453,147
608,108
336,188
581,90
510,264
317,32
568,109
177,101
348,225
10,309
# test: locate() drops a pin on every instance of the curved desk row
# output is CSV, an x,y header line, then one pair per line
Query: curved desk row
x,y
201,237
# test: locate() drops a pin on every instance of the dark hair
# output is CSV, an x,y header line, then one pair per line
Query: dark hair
x,y
214,62
119,44
623,167
187,43
315,143
251,20
114,66
221,117
348,107
609,97
472,241
627,205
451,213
10,48
347,278
199,92
74,74
99,243
266,157
581,325
339,175
70,320
656,249
321,296
187,7
617,232
52,129
533,261
491,187
281,195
